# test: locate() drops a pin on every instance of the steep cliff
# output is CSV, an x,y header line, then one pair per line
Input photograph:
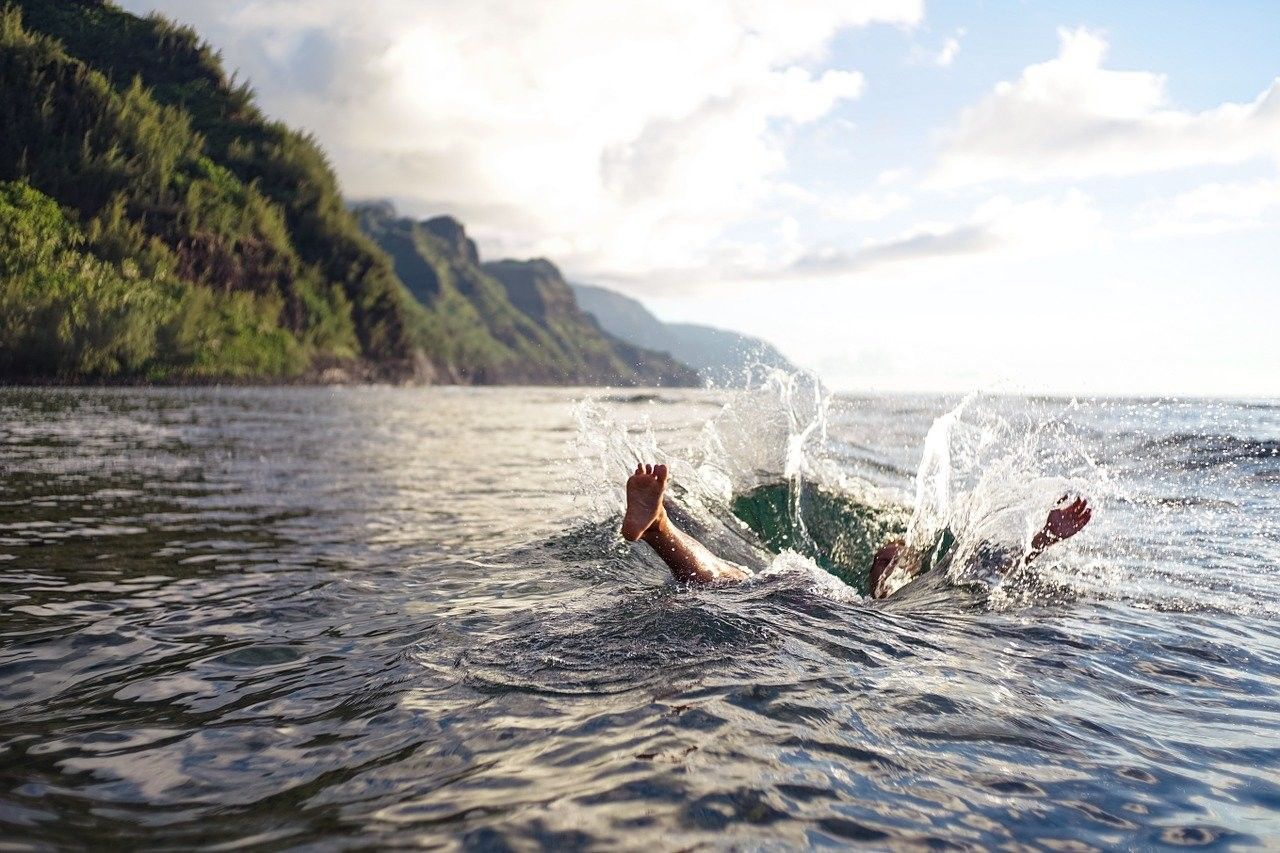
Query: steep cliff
x,y
510,321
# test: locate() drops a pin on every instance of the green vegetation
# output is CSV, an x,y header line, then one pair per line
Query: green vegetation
x,y
67,314
512,321
538,289
131,126
160,227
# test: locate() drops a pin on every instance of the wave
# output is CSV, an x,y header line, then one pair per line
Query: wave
x,y
1198,451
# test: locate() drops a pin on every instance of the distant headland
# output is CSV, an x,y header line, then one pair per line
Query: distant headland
x,y
156,226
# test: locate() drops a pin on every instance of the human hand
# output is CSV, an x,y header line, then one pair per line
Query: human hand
x,y
1066,519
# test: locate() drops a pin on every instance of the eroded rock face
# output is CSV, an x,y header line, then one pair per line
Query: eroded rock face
x,y
515,322
454,235
537,288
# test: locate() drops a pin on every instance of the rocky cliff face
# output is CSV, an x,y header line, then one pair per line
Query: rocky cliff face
x,y
219,243
454,236
510,321
538,289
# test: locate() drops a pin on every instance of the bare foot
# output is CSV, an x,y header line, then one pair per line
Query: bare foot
x,y
644,500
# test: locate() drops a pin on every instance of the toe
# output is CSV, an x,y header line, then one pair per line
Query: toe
x,y
660,471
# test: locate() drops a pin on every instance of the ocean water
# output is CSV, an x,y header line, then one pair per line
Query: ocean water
x,y
361,617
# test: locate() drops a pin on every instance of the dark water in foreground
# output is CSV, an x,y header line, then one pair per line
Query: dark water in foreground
x,y
363,617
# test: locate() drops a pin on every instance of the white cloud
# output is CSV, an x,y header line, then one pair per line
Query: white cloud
x,y
920,245
1237,200
950,50
1070,117
865,206
1001,229
889,177
613,136
869,206
1041,225
943,56
1214,208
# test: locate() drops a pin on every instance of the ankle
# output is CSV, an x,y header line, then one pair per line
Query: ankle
x,y
659,528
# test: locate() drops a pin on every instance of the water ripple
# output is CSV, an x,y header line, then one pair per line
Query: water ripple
x,y
392,617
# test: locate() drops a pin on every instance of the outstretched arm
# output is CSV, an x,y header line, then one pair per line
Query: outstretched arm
x,y
895,565
1065,520
646,519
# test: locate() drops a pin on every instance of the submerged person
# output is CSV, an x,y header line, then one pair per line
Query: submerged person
x,y
894,564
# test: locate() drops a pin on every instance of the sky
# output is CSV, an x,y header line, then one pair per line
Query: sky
x,y
1004,195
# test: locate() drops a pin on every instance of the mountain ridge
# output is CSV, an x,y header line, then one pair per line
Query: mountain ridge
x,y
516,321
159,227
722,357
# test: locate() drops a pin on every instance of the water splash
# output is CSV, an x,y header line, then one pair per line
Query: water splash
x,y
988,470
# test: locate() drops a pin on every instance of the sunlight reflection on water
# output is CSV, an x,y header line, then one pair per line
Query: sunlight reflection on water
x,y
397,616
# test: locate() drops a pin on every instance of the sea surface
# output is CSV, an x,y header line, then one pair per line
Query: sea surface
x,y
321,619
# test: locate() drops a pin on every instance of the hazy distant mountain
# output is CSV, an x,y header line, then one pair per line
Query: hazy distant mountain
x,y
509,321
723,357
